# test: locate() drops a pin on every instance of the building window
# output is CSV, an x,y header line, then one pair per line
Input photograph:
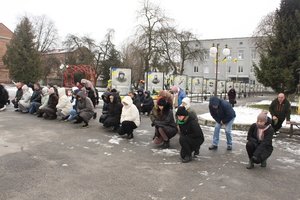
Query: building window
x,y
251,69
206,55
253,54
241,43
241,55
229,69
196,69
240,69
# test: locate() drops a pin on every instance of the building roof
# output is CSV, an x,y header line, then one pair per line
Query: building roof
x,y
5,32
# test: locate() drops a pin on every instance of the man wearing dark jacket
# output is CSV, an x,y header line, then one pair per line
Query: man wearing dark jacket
x,y
223,114
191,135
280,110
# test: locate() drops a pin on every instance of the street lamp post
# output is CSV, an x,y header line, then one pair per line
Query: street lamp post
x,y
214,52
63,67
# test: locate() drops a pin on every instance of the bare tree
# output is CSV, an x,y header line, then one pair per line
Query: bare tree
x,y
100,52
132,57
190,48
46,34
152,18
264,32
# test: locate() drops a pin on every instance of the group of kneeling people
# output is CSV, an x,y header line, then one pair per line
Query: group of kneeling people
x,y
259,146
124,116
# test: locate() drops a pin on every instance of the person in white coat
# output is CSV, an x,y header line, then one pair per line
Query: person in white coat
x,y
64,105
130,117
24,102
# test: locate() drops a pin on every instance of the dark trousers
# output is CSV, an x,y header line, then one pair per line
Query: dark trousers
x,y
15,102
261,153
278,125
188,145
127,127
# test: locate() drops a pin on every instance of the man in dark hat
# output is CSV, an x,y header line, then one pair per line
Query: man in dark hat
x,y
223,114
191,135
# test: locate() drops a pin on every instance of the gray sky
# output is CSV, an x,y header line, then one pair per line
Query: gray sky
x,y
208,19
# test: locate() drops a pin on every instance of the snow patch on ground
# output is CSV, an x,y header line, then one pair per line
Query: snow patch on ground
x,y
115,140
165,152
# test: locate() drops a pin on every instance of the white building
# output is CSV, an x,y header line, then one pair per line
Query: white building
x,y
237,67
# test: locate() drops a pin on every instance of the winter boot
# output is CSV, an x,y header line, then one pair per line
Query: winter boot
x,y
129,136
186,159
250,164
166,144
263,163
196,153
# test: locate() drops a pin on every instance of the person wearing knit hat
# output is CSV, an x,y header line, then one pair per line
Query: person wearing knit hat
x,y
223,114
259,141
191,135
163,120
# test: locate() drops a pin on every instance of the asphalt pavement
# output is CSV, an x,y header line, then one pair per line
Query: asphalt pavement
x,y
51,159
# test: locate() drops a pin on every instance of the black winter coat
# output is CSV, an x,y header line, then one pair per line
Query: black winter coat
x,y
264,148
281,111
36,96
191,128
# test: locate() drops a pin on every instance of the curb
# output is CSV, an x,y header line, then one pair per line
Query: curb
x,y
241,127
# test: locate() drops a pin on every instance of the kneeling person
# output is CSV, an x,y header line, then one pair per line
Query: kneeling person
x,y
130,117
191,135
259,146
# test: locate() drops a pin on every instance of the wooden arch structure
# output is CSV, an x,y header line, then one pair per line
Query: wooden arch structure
x,y
86,71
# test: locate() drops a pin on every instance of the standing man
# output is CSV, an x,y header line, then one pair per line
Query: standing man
x,y
232,96
280,110
223,114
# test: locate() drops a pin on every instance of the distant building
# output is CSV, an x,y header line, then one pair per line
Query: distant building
x,y
237,67
5,37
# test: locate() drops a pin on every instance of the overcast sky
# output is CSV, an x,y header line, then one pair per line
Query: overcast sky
x,y
208,19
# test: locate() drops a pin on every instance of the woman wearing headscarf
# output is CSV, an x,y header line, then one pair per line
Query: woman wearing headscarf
x,y
130,117
191,135
163,120
24,102
85,109
259,145
44,100
147,104
114,112
90,90
64,105
49,111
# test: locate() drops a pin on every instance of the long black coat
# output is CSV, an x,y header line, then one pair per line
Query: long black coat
x,y
264,148
114,112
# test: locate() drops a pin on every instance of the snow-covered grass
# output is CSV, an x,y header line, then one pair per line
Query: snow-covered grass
x,y
247,115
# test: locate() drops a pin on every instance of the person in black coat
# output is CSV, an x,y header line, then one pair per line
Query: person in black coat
x,y
232,96
3,97
114,112
136,101
49,112
19,94
191,135
259,146
163,120
105,98
35,100
280,110
148,104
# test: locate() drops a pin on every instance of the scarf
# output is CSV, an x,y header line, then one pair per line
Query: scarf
x,y
260,132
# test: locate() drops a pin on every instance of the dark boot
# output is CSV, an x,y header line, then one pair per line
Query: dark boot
x,y
196,153
78,120
166,144
250,164
263,163
187,159
129,136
